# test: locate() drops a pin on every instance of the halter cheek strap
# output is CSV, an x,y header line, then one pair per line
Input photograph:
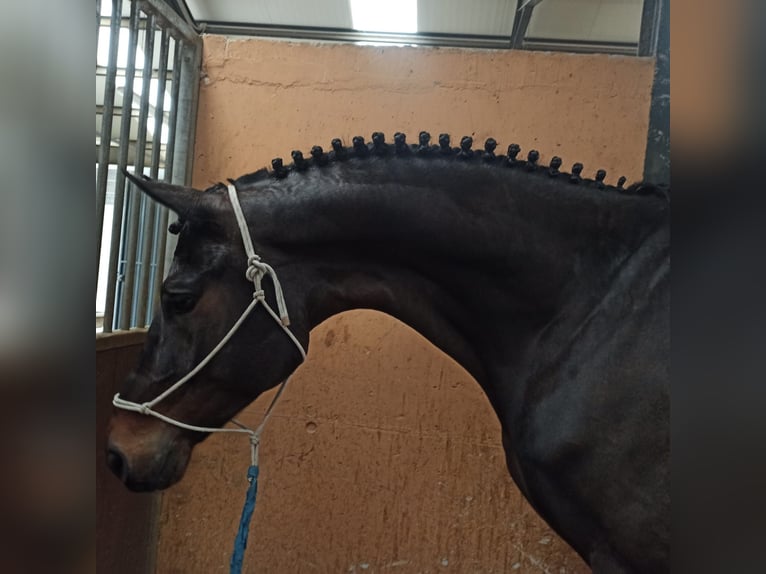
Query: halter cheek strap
x,y
256,270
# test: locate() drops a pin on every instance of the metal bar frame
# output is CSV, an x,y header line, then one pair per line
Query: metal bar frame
x,y
188,61
119,188
149,228
516,41
171,20
160,269
183,10
657,156
135,199
520,24
580,46
123,21
650,25
188,97
98,20
139,225
342,35
106,125
120,73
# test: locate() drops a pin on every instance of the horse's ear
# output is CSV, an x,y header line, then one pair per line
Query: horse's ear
x,y
185,201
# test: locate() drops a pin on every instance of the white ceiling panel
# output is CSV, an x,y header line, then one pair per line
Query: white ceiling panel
x,y
587,20
324,14
484,18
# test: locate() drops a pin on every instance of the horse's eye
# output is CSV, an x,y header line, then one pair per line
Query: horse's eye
x,y
178,303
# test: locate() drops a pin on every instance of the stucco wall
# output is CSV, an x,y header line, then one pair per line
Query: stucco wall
x,y
384,454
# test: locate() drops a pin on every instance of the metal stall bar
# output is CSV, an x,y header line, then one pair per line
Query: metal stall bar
x,y
135,199
122,161
191,58
106,125
183,149
650,20
150,217
169,165
171,19
657,157
524,10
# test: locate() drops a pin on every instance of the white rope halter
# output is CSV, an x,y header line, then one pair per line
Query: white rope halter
x,y
256,270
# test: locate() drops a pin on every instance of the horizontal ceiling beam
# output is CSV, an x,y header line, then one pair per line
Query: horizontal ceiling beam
x,y
420,39
341,35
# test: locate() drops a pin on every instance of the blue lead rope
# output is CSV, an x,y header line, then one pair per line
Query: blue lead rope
x,y
240,542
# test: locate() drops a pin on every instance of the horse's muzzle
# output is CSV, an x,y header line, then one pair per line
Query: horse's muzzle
x,y
146,457
116,462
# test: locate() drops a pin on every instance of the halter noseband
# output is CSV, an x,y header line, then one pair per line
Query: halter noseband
x,y
256,270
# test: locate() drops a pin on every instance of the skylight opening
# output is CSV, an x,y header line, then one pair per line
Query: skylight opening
x,y
392,16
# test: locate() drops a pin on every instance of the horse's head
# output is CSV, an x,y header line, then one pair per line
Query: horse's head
x,y
205,293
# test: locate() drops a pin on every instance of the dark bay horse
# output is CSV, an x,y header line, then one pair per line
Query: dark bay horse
x,y
552,290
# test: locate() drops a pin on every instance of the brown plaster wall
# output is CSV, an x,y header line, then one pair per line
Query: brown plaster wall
x,y
384,455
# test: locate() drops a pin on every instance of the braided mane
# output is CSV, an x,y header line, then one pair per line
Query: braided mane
x,y
401,149
444,150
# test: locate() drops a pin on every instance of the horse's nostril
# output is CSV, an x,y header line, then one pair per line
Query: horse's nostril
x,y
116,462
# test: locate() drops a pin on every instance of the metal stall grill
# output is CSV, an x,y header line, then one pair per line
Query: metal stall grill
x,y
147,84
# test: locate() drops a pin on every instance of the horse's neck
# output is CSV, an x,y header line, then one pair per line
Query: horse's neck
x,y
473,260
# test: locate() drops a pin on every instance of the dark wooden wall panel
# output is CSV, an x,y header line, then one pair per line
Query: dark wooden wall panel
x,y
126,536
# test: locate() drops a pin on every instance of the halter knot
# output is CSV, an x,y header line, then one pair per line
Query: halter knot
x,y
254,271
